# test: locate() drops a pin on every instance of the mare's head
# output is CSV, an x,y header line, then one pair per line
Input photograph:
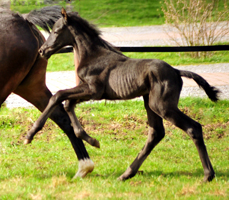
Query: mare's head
x,y
58,38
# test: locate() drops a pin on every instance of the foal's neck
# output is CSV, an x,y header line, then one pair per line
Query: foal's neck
x,y
86,47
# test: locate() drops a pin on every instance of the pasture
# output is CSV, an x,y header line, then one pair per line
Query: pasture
x,y
43,169
108,13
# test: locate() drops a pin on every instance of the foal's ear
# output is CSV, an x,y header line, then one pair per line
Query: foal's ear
x,y
64,14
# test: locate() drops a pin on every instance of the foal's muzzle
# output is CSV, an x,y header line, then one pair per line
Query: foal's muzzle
x,y
43,53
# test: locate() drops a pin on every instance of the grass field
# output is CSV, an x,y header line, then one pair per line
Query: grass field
x,y
110,12
43,170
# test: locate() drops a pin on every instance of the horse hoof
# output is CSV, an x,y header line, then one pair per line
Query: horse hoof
x,y
126,175
96,143
93,142
209,178
120,178
27,141
85,166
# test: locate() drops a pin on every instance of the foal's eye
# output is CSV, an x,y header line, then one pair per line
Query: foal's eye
x,y
56,31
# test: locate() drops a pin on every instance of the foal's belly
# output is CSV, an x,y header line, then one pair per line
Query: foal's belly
x,y
124,86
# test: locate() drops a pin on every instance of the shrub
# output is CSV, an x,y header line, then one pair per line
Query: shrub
x,y
197,22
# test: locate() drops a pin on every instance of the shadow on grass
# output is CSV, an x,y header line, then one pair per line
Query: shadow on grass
x,y
156,174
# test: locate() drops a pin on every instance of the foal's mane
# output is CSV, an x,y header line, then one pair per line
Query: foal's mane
x,y
90,31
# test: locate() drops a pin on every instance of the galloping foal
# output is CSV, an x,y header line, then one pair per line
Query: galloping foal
x,y
107,74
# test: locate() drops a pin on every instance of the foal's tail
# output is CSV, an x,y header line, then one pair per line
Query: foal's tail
x,y
44,17
211,91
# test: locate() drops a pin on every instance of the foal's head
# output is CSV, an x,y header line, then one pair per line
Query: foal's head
x,y
58,38
67,31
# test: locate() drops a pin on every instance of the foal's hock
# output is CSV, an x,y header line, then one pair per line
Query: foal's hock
x,y
106,73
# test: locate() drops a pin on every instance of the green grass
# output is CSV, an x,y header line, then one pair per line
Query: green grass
x,y
61,62
43,170
110,12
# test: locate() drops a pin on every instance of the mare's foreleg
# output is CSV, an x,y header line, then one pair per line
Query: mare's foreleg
x,y
79,131
155,135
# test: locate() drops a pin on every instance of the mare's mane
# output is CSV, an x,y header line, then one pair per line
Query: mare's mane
x,y
90,31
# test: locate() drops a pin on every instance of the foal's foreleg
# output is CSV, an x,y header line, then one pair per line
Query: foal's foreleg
x,y
38,125
155,135
81,92
79,131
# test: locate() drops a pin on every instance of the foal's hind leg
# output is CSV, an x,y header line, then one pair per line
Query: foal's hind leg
x,y
80,133
194,130
155,135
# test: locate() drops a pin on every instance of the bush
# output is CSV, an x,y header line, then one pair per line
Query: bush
x,y
198,22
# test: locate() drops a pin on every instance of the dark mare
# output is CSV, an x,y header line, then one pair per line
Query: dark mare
x,y
106,73
22,69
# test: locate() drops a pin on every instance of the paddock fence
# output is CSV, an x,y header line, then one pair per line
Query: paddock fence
x,y
164,49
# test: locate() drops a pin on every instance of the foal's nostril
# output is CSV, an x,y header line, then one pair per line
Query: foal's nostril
x,y
40,51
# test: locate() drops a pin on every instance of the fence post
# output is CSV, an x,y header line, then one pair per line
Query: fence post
x,y
5,4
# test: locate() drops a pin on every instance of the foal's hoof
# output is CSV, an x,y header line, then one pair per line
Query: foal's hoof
x,y
27,141
93,142
208,178
126,175
121,178
96,143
